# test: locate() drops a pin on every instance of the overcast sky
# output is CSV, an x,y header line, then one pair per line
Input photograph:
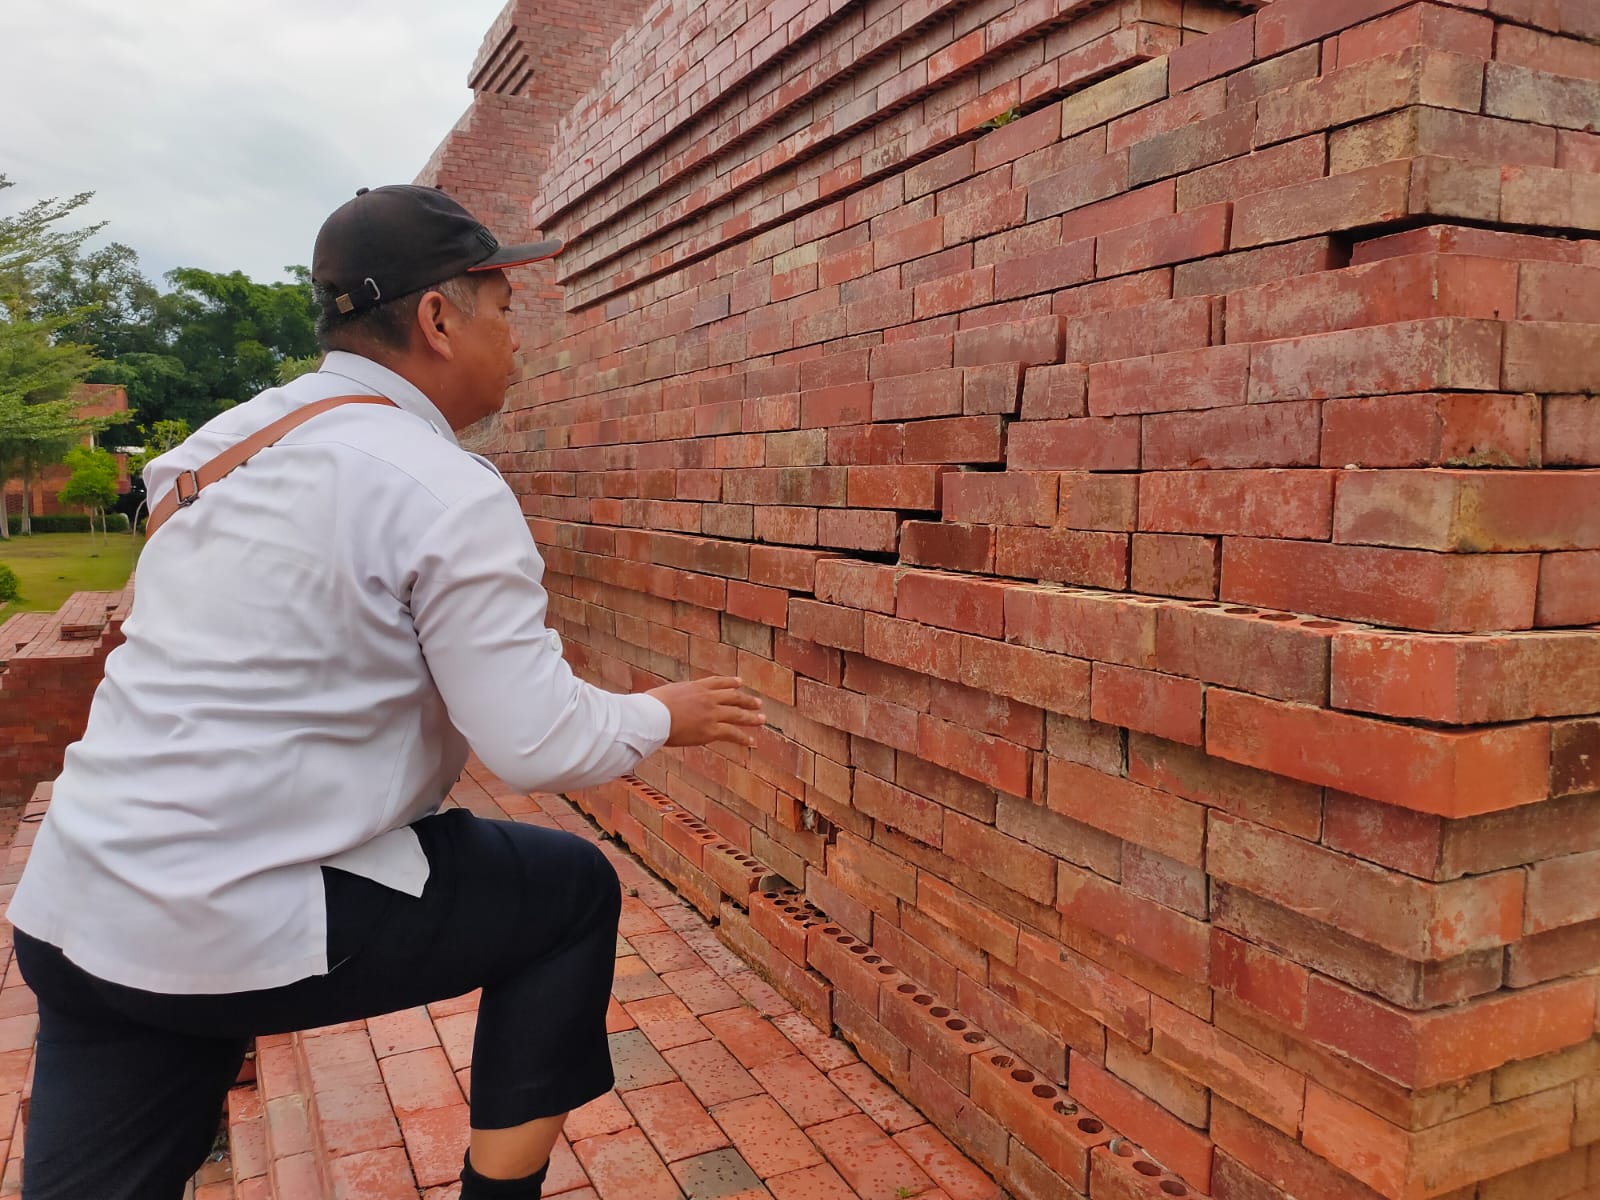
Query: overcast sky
x,y
218,134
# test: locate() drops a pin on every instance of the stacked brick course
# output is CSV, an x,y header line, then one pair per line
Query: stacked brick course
x,y
50,665
1144,453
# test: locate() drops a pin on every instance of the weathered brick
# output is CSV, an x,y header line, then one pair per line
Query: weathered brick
x,y
1445,772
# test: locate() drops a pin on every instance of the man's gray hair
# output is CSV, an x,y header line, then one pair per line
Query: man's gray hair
x,y
385,326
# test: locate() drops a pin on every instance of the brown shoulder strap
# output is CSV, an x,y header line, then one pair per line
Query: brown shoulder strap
x,y
190,483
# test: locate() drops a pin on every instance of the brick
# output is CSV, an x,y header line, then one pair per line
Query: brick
x,y
1091,558
1523,47
996,388
1464,681
1266,981
1250,436
1550,197
1082,185
1075,444
926,394
1131,811
978,439
1252,652
1418,25
1449,773
1082,624
1443,593
1460,239
1207,58
1161,327
1212,377
1054,392
1000,498
1044,270
1367,197
1133,210
1228,1067
1421,355
1558,893
1155,1078
898,487
1569,589
1173,565
947,545
1461,1151
1098,502
1027,342
1415,75
1529,365
1230,272
1178,943
1289,504
1524,94
1445,133
1432,429
1300,21
1275,1164
1381,293
970,605
1186,1151
1048,681
1167,706
1575,757
1294,162
1571,431
1423,1049
991,760
1405,916
1549,291
1469,511
1226,135
1122,93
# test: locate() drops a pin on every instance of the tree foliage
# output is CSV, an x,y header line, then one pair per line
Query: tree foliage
x,y
40,365
93,483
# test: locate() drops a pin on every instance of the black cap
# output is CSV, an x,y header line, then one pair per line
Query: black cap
x,y
401,238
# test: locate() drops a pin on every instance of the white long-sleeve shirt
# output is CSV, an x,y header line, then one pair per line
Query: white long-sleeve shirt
x,y
313,645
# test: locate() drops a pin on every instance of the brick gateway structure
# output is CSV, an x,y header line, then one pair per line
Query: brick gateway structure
x,y
1144,453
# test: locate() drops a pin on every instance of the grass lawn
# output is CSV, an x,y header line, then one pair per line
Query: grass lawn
x,y
52,566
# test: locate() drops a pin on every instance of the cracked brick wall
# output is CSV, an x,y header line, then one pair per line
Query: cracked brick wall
x,y
1143,452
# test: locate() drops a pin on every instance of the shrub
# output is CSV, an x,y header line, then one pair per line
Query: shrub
x,y
10,585
70,523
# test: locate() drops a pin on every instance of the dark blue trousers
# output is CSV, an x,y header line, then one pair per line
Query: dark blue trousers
x,y
129,1085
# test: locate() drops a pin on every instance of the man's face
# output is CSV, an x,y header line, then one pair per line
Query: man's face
x,y
489,353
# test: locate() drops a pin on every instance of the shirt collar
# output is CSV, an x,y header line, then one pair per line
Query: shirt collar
x,y
376,377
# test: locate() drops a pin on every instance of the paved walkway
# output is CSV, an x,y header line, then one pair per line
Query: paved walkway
x,y
724,1091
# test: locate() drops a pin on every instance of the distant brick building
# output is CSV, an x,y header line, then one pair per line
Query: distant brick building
x,y
94,400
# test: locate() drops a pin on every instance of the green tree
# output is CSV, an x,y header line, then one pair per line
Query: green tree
x,y
158,439
231,334
93,483
40,365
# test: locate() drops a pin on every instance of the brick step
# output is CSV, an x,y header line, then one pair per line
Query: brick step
x,y
280,1157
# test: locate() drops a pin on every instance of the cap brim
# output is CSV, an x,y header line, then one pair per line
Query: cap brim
x,y
516,256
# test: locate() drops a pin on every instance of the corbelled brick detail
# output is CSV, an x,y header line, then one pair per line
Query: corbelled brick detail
x,y
1145,454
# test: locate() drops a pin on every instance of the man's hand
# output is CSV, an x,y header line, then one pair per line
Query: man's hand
x,y
710,710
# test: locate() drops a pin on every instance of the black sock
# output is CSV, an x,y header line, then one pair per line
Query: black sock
x,y
477,1187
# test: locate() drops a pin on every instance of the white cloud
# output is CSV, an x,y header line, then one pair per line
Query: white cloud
x,y
219,135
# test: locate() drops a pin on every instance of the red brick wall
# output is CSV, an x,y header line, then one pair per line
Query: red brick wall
x,y
536,62
1144,452
95,400
47,683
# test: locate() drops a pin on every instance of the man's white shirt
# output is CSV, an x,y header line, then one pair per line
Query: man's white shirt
x,y
313,646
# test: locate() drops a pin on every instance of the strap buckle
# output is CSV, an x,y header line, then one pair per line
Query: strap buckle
x,y
186,499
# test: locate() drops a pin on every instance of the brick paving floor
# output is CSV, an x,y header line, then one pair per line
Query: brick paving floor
x,y
724,1091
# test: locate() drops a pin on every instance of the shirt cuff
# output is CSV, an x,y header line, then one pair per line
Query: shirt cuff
x,y
646,723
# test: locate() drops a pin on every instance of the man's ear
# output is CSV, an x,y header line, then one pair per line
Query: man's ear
x,y
436,319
